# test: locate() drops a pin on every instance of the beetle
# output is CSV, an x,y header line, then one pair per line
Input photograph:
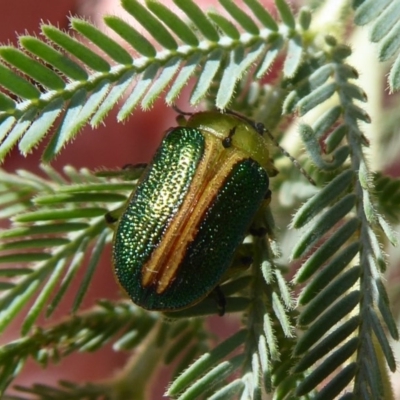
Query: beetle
x,y
191,209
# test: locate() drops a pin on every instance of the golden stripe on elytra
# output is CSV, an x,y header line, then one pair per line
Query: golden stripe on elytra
x,y
154,266
166,259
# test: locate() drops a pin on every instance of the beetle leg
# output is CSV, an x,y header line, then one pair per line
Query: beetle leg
x,y
220,299
113,216
181,117
242,260
128,167
110,218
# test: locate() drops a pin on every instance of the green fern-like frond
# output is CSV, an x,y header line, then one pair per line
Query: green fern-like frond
x,y
384,15
85,333
344,300
80,94
65,390
55,223
124,324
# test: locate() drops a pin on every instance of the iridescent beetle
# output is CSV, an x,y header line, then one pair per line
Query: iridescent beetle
x,y
193,206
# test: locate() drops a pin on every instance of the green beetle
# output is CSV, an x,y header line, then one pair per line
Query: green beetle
x,y
193,206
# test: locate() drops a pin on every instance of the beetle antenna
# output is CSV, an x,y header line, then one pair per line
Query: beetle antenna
x,y
260,127
179,111
286,153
